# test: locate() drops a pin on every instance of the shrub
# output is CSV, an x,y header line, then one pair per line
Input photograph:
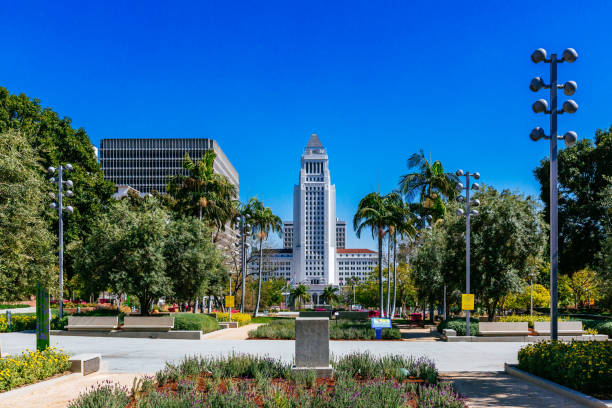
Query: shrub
x,y
31,366
339,330
241,318
585,366
601,326
18,323
458,324
528,318
369,366
105,394
195,321
10,306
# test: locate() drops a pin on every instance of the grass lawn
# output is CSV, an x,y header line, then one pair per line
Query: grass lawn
x,y
338,330
17,306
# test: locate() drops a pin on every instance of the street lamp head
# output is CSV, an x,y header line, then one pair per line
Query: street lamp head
x,y
536,134
460,212
69,193
51,169
476,202
536,84
69,184
569,88
69,209
477,175
418,218
570,106
538,55
540,106
69,167
570,138
53,206
475,186
459,173
428,228
474,212
460,198
459,187
570,55
247,216
52,180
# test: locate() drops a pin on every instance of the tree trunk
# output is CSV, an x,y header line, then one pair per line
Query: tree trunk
x,y
431,311
260,273
394,275
380,274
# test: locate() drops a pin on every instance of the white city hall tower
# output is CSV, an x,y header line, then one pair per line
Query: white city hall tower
x,y
314,220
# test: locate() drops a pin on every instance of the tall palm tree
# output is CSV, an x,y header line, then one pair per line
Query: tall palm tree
x,y
374,214
431,183
329,294
263,221
299,292
203,193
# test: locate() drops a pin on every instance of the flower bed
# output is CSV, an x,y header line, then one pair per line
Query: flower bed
x,y
18,323
529,319
338,330
584,366
600,326
238,381
241,318
30,367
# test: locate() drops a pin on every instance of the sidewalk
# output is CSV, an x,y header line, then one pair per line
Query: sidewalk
x,y
241,333
498,389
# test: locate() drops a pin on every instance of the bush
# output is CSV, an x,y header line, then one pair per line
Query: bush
x,y
338,330
31,366
458,324
105,394
9,306
241,318
584,366
528,318
370,367
195,321
18,323
601,326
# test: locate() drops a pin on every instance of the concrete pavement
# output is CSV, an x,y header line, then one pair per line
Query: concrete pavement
x,y
122,355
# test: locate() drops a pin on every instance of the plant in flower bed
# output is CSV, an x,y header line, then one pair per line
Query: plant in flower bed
x,y
195,321
31,366
458,324
338,330
237,381
528,318
601,326
584,366
241,318
18,323
106,394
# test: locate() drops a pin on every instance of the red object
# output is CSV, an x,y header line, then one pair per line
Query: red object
x,y
415,317
320,309
374,313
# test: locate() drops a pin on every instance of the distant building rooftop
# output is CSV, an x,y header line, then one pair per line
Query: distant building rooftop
x,y
355,251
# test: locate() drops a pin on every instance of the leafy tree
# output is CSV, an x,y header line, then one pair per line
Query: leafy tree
x,y
27,247
522,300
55,142
584,285
193,261
330,295
272,292
125,252
585,173
300,294
431,183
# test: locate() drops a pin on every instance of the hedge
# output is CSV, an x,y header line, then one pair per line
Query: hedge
x,y
241,318
458,324
195,321
339,330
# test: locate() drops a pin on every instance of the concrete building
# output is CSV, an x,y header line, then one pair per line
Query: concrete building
x,y
355,263
146,164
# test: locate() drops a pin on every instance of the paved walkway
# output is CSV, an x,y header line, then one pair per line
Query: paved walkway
x,y
57,393
149,355
240,333
498,389
19,310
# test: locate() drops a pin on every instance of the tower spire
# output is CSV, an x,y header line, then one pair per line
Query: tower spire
x,y
314,142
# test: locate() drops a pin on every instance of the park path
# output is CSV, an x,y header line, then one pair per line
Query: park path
x,y
240,333
59,392
498,389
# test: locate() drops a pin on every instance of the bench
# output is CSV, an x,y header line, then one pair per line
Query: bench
x,y
98,323
503,328
572,328
148,323
316,314
85,363
353,316
228,325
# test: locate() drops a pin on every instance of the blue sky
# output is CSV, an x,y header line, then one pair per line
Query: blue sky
x,y
376,80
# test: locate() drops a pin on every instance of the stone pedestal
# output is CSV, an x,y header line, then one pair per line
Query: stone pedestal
x,y
312,345
85,363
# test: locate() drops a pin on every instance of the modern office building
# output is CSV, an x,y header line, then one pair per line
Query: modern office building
x,y
146,164
314,241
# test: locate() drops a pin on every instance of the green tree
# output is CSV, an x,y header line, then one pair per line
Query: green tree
x,y
522,299
585,173
272,292
329,295
55,142
584,285
125,252
27,247
300,294
263,221
431,183
373,213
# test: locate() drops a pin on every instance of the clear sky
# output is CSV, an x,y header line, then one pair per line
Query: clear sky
x,y
376,80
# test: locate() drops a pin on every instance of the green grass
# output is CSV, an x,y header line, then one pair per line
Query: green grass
x,y
195,321
15,306
338,330
266,319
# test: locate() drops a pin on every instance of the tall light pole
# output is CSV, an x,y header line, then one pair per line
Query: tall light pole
x,y
59,207
244,232
541,106
468,213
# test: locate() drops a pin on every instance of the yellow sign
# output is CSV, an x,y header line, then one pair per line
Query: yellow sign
x,y
229,301
467,302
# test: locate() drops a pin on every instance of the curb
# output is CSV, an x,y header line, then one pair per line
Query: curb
x,y
32,387
579,397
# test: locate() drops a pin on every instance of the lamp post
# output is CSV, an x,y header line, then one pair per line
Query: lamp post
x,y
468,213
244,232
541,106
60,209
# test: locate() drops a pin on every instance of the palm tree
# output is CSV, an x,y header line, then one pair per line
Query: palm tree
x,y
204,193
263,221
329,294
353,280
299,292
430,182
373,213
